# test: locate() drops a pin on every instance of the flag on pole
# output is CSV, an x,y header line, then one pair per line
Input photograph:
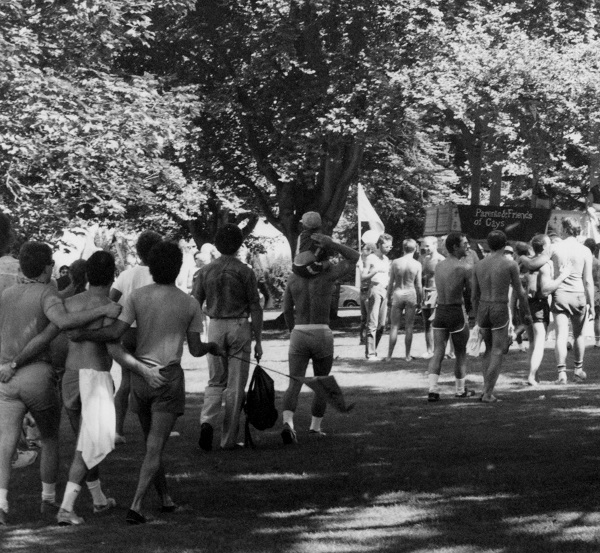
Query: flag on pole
x,y
366,213
328,389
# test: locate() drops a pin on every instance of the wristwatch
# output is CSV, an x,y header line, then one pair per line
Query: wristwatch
x,y
13,365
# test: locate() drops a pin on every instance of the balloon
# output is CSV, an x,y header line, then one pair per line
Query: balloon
x,y
370,236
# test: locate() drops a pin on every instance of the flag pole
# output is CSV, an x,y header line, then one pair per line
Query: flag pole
x,y
357,273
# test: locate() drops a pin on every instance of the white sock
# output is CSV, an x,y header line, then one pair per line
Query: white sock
x,y
460,385
4,500
71,492
288,418
433,383
98,496
48,492
315,423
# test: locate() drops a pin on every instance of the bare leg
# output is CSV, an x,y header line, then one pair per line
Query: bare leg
x,y
161,424
395,314
410,313
440,338
536,348
459,341
321,367
10,430
560,349
428,330
122,400
498,345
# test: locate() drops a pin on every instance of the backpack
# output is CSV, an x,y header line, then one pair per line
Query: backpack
x,y
260,404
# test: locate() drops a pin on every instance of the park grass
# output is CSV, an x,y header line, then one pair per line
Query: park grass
x,y
396,474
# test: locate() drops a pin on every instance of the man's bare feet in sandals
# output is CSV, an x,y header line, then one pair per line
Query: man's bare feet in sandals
x,y
489,399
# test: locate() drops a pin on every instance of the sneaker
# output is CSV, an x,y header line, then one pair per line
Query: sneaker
x,y
134,518
49,507
562,380
111,503
373,358
206,437
432,397
465,394
25,457
120,439
427,355
580,374
288,435
316,433
68,518
3,521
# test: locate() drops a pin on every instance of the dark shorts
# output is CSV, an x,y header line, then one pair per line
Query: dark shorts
x,y
540,310
169,398
492,315
571,303
449,317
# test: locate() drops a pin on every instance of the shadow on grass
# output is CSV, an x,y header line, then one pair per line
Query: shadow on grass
x,y
396,474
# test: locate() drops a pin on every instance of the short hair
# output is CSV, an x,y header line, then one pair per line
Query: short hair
x,y
34,257
409,245
78,274
496,240
145,242
368,246
571,226
454,239
521,248
384,238
164,261
538,242
100,269
591,244
63,267
431,240
228,239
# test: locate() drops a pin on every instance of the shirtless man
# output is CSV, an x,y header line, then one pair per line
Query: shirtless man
x,y
27,380
306,309
87,391
429,260
377,272
452,279
165,317
404,294
541,284
492,278
573,300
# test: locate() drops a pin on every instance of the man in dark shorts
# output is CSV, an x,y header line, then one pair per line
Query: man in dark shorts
x,y
492,278
27,380
452,279
573,300
157,382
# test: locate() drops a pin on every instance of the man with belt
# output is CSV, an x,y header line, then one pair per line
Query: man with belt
x,y
230,290
306,309
452,279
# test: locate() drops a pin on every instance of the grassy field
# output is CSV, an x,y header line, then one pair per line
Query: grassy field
x,y
396,474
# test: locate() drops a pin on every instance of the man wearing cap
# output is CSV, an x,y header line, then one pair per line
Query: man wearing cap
x,y
377,273
230,291
306,309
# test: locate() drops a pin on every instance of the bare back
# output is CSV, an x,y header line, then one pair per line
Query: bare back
x,y
310,298
405,273
452,277
494,275
429,267
88,355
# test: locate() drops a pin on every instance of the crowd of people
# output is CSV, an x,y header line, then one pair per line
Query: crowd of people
x,y
57,347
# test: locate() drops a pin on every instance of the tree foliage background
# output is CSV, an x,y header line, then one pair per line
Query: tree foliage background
x,y
181,115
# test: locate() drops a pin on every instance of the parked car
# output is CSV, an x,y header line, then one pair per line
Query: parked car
x,y
349,296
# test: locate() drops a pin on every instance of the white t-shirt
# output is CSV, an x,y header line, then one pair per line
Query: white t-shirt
x,y
375,262
131,279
